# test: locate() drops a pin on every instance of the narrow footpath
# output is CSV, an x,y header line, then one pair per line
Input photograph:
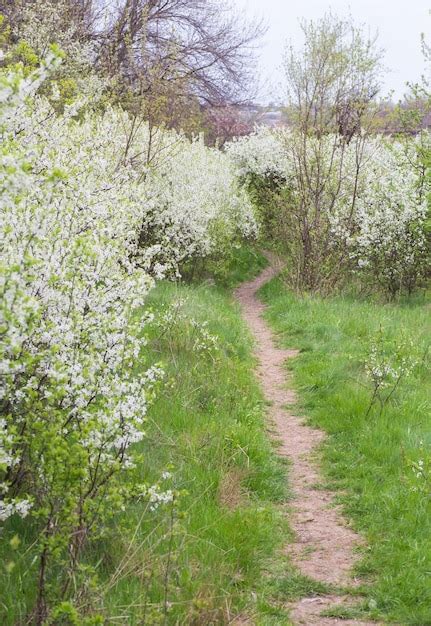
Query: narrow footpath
x,y
323,547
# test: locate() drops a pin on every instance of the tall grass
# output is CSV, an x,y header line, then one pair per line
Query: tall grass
x,y
371,459
207,428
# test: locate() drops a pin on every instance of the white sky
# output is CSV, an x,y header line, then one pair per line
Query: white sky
x,y
399,24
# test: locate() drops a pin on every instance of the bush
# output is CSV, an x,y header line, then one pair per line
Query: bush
x,y
77,201
370,218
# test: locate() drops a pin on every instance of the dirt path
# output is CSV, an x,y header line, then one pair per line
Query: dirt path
x,y
323,547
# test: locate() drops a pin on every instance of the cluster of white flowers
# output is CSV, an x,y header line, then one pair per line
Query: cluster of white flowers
x,y
21,507
419,469
388,235
156,495
385,369
372,193
204,342
262,153
190,193
87,224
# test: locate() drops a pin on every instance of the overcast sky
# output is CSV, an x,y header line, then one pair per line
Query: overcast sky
x,y
399,25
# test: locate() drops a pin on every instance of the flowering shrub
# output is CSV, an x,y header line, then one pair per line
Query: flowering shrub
x,y
388,239
386,367
261,153
194,204
263,166
87,223
358,206
71,405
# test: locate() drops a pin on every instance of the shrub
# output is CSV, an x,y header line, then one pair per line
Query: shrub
x,y
77,198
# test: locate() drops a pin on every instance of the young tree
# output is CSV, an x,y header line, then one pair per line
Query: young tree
x,y
331,85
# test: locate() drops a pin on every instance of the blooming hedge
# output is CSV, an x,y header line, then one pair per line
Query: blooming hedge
x,y
92,212
366,200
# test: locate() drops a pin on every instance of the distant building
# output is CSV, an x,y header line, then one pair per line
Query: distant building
x,y
266,116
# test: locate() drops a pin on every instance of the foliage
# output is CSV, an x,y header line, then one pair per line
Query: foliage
x,y
332,80
388,241
331,83
27,39
195,206
199,558
71,407
342,203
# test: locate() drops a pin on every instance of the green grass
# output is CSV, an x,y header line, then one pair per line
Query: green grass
x,y
207,427
243,264
239,264
369,458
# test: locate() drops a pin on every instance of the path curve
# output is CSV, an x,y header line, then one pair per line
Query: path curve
x,y
323,543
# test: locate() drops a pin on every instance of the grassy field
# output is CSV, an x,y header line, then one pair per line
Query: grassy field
x,y
378,453
219,552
